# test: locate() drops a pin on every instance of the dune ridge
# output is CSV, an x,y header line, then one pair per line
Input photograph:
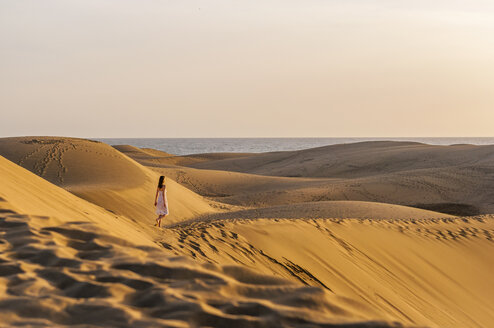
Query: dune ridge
x,y
156,158
23,192
255,248
326,210
62,264
357,160
411,248
457,180
100,174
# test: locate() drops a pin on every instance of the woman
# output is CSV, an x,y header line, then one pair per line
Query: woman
x,y
160,201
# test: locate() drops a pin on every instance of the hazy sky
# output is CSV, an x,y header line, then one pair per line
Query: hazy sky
x,y
247,68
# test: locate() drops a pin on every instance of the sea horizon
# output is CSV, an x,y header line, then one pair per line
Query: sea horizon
x,y
197,145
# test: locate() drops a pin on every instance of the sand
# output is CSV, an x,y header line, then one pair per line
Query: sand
x,y
155,158
433,272
456,179
330,237
100,174
65,261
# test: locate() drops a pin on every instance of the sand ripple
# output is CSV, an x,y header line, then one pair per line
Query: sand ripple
x,y
76,274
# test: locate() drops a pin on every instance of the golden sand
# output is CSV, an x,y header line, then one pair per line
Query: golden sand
x,y
319,237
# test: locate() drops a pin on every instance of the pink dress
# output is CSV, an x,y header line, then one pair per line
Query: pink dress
x,y
162,203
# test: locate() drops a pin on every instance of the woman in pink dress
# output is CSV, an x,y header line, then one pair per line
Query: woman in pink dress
x,y
160,201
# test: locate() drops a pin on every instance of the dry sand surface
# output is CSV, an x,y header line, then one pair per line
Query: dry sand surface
x,y
434,272
66,262
319,237
456,179
102,175
152,157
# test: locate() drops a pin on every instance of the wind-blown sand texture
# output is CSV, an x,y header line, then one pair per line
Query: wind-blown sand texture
x,y
318,237
102,175
433,272
65,261
457,178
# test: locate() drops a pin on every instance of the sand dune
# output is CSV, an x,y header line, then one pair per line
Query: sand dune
x,y
357,160
98,173
432,272
406,257
226,186
66,262
156,158
460,186
329,209
242,245
457,191
23,192
141,153
74,274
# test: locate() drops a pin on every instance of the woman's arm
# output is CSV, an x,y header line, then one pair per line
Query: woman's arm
x,y
156,197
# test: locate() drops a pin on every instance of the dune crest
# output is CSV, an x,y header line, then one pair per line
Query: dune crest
x,y
400,260
156,158
457,179
97,172
247,248
24,192
64,261
329,209
356,160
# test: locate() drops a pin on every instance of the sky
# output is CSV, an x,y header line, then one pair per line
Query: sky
x,y
247,68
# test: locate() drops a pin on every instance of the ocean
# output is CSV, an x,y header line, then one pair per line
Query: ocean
x,y
185,146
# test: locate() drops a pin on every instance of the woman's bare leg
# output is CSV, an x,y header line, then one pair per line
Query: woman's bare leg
x,y
159,220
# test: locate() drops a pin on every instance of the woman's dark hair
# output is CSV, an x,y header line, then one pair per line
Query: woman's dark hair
x,y
160,183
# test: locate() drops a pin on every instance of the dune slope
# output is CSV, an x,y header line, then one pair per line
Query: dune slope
x,y
357,160
328,209
23,192
155,158
335,228
457,180
97,172
432,272
456,191
62,264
